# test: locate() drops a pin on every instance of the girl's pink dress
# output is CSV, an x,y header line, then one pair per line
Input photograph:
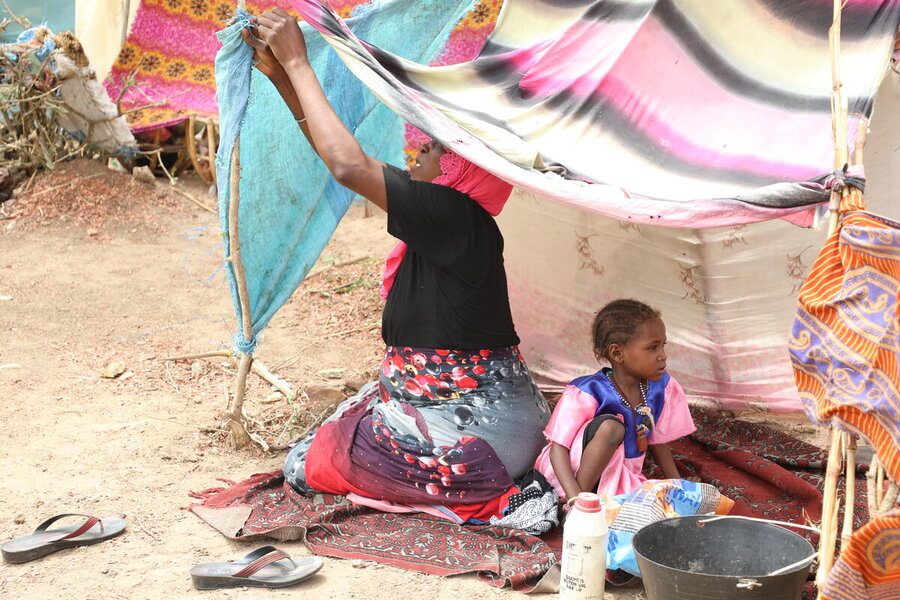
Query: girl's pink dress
x,y
594,395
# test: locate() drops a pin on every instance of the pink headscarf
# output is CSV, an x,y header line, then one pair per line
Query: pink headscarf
x,y
486,189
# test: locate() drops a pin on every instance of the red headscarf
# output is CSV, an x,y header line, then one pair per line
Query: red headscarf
x,y
486,189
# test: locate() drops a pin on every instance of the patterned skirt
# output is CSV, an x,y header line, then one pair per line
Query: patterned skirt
x,y
439,427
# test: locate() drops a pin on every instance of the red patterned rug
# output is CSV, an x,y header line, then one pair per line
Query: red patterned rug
x,y
264,506
767,472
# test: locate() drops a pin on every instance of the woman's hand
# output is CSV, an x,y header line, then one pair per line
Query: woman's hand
x,y
264,57
281,33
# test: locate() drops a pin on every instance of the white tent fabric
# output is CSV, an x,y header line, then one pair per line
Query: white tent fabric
x,y
102,26
728,295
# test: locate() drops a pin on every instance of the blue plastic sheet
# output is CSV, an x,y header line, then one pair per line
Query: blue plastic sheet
x,y
289,203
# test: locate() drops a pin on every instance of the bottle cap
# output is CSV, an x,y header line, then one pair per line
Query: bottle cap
x,y
588,502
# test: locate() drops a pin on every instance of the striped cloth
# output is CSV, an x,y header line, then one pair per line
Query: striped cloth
x,y
683,113
845,339
869,567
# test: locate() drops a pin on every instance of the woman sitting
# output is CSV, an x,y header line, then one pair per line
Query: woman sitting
x,y
454,417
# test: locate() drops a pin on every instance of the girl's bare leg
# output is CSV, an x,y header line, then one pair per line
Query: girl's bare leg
x,y
598,452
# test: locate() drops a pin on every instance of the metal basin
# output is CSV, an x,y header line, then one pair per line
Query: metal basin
x,y
683,559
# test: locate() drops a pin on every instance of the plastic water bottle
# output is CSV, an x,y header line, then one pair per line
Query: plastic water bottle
x,y
583,575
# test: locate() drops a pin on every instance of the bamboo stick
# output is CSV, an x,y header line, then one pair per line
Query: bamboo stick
x,y
829,506
235,415
828,538
850,440
211,152
862,128
850,489
870,485
890,498
879,484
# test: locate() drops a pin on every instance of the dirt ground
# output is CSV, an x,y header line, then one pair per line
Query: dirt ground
x,y
96,268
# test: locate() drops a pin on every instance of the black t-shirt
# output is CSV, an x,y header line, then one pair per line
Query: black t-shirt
x,y
450,290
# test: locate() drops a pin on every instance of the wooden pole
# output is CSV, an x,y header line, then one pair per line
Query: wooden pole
x,y
870,485
850,440
828,537
211,151
850,490
191,144
235,414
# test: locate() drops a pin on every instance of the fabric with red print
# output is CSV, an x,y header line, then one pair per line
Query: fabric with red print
x,y
440,427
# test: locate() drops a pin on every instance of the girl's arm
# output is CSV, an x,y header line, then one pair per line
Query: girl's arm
x,y
562,468
339,150
662,454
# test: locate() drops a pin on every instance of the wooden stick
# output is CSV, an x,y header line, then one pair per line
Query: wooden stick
x,y
828,538
354,330
890,498
211,140
157,140
850,490
838,111
293,358
199,355
879,484
192,199
235,414
280,384
862,128
850,440
191,144
870,485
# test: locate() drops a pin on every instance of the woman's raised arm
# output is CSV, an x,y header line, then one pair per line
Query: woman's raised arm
x,y
329,137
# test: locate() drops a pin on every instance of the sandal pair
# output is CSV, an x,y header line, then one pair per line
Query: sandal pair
x,y
45,541
265,567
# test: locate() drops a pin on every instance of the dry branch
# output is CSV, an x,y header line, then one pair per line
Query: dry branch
x,y
235,415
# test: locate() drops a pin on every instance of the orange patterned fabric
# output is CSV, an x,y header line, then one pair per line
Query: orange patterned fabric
x,y
869,567
845,340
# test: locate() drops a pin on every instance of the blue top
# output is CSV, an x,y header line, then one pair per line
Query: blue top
x,y
600,386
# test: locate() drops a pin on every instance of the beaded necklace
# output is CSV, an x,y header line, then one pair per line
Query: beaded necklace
x,y
643,416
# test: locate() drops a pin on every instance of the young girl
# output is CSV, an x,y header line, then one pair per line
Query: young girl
x,y
604,423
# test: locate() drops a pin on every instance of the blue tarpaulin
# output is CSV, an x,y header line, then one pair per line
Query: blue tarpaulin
x,y
289,203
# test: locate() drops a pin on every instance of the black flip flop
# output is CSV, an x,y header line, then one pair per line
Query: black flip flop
x,y
266,567
43,542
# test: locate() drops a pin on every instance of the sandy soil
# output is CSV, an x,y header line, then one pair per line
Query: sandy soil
x,y
97,268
